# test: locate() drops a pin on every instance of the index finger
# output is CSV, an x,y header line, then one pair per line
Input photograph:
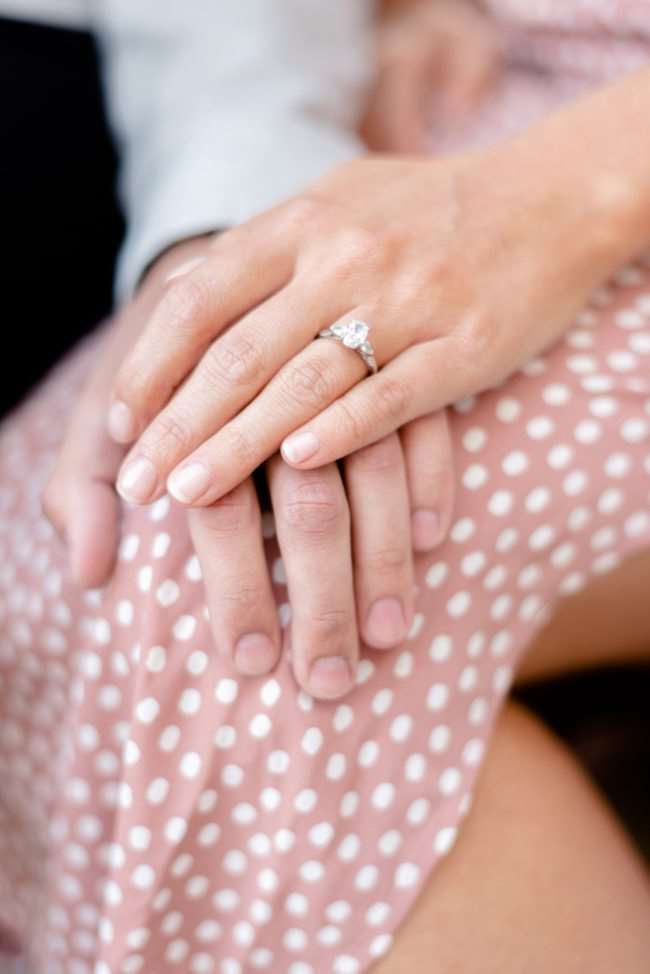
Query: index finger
x,y
246,265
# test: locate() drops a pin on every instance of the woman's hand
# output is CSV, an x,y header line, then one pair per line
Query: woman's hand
x,y
465,267
436,60
347,539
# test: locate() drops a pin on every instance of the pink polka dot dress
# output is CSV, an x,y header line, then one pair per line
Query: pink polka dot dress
x,y
161,814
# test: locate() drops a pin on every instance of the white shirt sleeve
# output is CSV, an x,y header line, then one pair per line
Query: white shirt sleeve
x,y
223,108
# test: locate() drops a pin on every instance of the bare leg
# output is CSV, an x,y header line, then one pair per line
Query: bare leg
x,y
608,622
542,878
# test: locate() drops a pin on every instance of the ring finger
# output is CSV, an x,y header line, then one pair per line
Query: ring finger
x,y
303,388
313,529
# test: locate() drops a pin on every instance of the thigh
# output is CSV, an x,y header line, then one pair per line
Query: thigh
x,y
608,622
196,818
542,877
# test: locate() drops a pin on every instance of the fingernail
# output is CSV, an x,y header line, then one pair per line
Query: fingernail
x,y
386,625
184,268
121,424
425,529
188,483
300,447
255,654
137,481
330,677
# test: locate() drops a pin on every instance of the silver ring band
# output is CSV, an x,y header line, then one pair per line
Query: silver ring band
x,y
353,334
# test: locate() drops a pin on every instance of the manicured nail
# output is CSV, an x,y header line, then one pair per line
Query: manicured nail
x,y
385,624
184,268
255,654
137,481
425,529
188,483
121,423
299,447
330,677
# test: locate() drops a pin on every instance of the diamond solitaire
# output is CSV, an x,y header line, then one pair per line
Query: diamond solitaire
x,y
353,334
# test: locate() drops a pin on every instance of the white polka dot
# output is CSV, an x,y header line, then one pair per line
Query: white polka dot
x,y
438,696
336,767
244,813
147,710
297,904
305,800
508,410
500,503
349,848
418,811
437,574
401,727
226,690
475,476
168,592
232,775
197,662
312,871
383,795
190,765
449,781
462,530
343,717
407,874
190,701
390,842
184,627
458,604
366,878
368,753
270,693
444,840
473,563
377,914
321,834
143,877
440,649
312,741
382,701
515,463
260,726
235,862
278,762
225,737
474,439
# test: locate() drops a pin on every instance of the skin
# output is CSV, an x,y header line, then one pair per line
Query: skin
x,y
338,519
437,253
540,847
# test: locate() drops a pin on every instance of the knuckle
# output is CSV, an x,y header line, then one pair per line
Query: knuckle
x,y
309,384
348,418
358,247
380,456
240,592
315,509
186,300
232,514
330,625
170,434
235,361
391,560
393,399
240,447
301,213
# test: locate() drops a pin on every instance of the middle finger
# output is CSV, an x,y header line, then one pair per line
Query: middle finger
x,y
313,528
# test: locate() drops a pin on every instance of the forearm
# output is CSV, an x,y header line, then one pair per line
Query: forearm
x,y
596,152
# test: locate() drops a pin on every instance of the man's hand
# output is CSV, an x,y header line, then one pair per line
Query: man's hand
x,y
347,537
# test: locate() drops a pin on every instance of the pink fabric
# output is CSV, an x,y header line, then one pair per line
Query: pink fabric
x,y
159,814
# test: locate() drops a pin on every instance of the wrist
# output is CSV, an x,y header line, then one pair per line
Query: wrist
x,y
592,160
